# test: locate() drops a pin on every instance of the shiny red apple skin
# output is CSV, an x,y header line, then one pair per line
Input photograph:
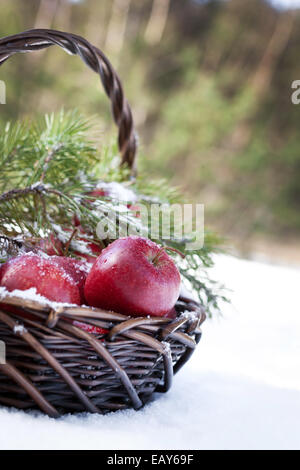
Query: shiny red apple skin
x,y
125,279
52,276
78,271
171,314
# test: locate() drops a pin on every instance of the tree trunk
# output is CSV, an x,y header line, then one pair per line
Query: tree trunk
x,y
157,21
117,27
46,13
260,80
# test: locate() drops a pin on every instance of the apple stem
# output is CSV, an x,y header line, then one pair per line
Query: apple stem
x,y
66,250
165,248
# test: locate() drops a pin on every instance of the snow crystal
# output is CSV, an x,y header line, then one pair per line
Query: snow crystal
x,y
31,294
83,267
187,294
37,185
19,329
42,254
191,316
81,246
118,191
166,346
62,235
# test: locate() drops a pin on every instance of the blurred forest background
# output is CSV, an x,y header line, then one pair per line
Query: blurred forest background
x,y
210,87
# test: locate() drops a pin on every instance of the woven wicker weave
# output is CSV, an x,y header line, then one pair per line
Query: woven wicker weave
x,y
57,367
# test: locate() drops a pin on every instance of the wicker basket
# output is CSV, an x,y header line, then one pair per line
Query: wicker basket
x,y
58,368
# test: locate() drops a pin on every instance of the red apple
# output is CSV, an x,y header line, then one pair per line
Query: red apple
x,y
114,190
56,278
51,246
136,209
98,192
171,314
77,270
94,249
133,276
75,220
97,330
119,192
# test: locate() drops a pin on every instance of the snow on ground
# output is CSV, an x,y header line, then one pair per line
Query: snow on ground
x,y
240,390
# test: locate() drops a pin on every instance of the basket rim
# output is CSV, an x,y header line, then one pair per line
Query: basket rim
x,y
155,333
58,309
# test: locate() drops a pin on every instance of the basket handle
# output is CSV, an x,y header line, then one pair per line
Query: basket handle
x,y
36,39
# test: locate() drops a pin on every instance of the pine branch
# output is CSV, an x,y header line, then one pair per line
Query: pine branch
x,y
48,169
13,247
56,150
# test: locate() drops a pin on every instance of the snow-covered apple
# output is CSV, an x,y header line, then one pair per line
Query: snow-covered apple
x,y
77,270
57,278
134,276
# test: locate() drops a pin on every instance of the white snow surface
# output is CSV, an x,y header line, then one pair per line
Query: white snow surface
x,y
240,390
